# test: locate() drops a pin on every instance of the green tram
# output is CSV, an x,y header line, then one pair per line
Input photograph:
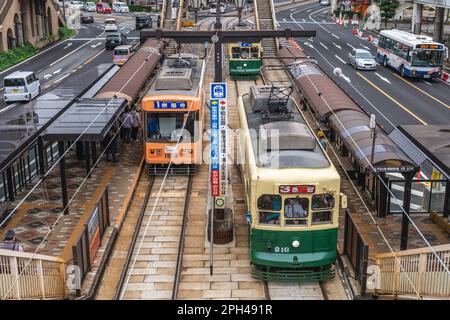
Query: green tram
x,y
292,190
245,60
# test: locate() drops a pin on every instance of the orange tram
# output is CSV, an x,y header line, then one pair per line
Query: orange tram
x,y
173,117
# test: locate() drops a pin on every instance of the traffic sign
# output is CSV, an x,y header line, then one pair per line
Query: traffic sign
x,y
218,90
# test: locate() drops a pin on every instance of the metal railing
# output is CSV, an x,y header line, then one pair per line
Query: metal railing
x,y
417,272
27,276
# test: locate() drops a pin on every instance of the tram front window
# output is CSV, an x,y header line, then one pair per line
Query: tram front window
x,y
244,52
167,126
270,203
296,211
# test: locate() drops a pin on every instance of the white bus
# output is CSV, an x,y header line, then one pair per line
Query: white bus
x,y
410,54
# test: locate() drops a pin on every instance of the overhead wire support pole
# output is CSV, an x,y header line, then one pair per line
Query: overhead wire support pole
x,y
218,47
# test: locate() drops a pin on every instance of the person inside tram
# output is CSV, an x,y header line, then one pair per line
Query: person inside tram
x,y
294,209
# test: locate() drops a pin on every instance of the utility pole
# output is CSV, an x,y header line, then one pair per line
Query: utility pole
x,y
218,47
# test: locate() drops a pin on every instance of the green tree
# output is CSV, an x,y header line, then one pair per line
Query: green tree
x,y
387,9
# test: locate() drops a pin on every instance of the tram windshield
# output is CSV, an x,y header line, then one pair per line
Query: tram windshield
x,y
296,211
168,126
245,52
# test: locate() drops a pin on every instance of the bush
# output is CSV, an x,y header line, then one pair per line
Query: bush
x,y
14,56
65,32
141,8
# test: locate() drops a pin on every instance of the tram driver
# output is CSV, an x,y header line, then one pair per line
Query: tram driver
x,y
295,209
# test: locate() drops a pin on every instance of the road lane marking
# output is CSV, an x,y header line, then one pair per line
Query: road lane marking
x,y
70,53
284,19
8,108
424,92
62,78
68,45
57,71
340,59
382,78
426,82
335,36
96,45
337,46
350,45
309,10
323,45
303,20
47,76
122,28
366,47
393,100
93,57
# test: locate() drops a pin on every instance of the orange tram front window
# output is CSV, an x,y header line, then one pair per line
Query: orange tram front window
x,y
168,126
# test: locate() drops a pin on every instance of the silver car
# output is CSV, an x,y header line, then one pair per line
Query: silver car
x,y
361,59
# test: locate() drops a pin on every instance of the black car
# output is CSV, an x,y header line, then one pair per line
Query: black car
x,y
143,21
115,39
86,17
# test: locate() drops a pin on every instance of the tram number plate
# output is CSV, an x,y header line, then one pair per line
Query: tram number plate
x,y
281,249
171,149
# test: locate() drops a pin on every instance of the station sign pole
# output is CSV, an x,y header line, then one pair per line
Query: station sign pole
x,y
218,152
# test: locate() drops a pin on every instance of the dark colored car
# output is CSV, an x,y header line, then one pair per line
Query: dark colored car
x,y
144,21
115,39
86,17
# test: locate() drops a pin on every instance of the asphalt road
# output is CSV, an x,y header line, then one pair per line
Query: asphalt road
x,y
394,100
59,61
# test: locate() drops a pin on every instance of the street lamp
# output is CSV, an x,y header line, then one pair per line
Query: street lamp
x,y
240,4
195,5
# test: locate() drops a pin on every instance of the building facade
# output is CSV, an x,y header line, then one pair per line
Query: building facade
x,y
27,21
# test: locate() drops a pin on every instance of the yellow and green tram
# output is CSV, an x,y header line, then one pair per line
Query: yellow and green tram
x,y
245,60
292,190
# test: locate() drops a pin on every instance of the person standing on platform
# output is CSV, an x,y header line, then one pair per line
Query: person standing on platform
x,y
136,118
126,126
10,243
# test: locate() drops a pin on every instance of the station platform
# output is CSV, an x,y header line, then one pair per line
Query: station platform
x,y
34,218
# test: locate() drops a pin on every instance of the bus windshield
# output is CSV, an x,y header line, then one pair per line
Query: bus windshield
x,y
427,58
120,52
166,126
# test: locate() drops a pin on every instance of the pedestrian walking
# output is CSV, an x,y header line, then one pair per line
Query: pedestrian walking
x,y
126,125
136,119
110,144
10,243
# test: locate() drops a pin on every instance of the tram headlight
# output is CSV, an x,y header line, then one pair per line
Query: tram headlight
x,y
295,243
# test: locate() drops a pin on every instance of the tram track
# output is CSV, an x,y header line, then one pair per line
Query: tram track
x,y
154,259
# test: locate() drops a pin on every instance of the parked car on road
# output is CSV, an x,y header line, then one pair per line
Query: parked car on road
x,y
120,7
102,7
115,39
361,59
78,5
21,86
110,25
86,17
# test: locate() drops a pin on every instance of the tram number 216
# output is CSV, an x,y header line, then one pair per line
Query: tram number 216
x,y
281,249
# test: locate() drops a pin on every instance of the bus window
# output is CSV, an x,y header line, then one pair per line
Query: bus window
x,y
427,58
166,126
296,211
269,202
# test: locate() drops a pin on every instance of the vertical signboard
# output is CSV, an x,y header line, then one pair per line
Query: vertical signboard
x,y
214,146
218,126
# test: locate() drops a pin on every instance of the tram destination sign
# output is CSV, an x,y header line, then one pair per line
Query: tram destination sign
x,y
294,189
170,104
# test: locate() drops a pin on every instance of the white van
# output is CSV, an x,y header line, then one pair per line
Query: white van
x,y
120,7
110,25
21,86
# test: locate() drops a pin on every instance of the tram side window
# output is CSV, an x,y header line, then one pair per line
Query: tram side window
x,y
254,52
322,205
266,217
296,211
269,202
235,52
